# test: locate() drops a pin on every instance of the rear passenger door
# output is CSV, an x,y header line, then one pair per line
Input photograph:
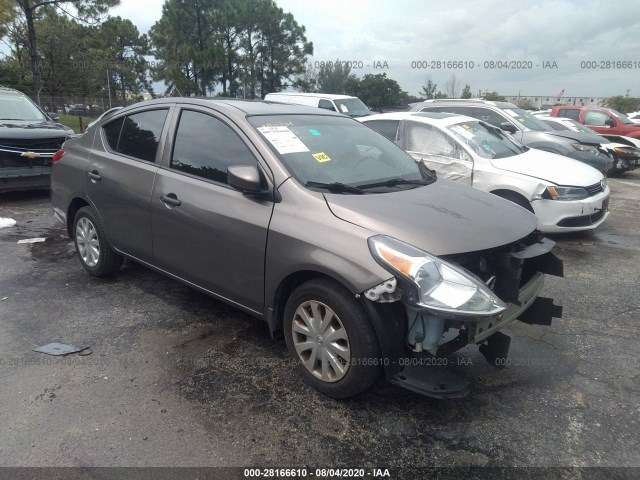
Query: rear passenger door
x,y
119,177
205,231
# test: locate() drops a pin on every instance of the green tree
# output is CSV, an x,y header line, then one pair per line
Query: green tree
x,y
29,9
451,87
122,50
308,81
622,104
494,97
429,89
466,91
378,91
332,76
8,13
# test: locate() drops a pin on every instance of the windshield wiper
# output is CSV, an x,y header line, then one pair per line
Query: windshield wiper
x,y
335,187
393,182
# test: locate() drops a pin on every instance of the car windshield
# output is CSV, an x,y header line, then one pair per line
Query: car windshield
x,y
623,118
527,120
19,107
352,107
486,140
578,127
338,152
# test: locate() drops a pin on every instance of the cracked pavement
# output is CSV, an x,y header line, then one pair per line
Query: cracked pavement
x,y
179,379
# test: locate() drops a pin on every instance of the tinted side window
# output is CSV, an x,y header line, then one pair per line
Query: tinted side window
x,y
112,133
387,128
573,113
141,134
449,109
489,116
326,104
205,147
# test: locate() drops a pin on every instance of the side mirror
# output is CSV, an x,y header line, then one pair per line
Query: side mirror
x,y
54,118
610,122
508,127
245,178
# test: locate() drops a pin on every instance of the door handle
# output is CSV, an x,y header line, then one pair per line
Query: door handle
x,y
170,199
94,176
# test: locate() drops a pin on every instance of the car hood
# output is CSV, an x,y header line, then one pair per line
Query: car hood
x,y
442,218
18,129
550,167
580,137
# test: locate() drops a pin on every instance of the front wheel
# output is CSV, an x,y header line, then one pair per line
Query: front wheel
x,y
96,255
331,339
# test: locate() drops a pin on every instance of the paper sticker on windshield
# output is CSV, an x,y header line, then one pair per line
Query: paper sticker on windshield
x,y
462,132
344,108
321,157
283,139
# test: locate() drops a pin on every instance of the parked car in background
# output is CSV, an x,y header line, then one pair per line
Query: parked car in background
x,y
603,120
350,106
28,140
370,257
634,117
565,194
625,155
525,128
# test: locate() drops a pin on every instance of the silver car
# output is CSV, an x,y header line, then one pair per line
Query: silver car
x,y
367,262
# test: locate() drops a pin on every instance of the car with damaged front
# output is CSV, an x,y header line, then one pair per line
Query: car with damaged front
x,y
566,195
28,140
361,257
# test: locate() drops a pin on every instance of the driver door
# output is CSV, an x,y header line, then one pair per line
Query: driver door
x,y
436,150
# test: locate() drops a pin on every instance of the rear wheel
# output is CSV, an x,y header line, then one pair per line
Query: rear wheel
x,y
331,339
96,255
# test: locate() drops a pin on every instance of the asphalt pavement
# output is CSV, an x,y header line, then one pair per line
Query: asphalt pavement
x,y
176,378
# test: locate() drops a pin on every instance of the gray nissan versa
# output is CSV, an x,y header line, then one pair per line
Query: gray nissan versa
x,y
365,261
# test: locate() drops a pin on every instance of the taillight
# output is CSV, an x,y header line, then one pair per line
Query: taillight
x,y
57,156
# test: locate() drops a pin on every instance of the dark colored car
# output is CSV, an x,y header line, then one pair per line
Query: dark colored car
x,y
28,140
605,121
316,224
525,128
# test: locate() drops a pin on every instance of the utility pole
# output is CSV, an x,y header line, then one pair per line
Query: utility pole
x,y
109,88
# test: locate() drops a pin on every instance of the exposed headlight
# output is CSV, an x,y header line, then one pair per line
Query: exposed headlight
x,y
627,151
586,148
565,193
436,284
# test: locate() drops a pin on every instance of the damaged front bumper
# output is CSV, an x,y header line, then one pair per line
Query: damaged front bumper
x,y
516,274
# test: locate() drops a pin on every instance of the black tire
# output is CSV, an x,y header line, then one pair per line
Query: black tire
x,y
517,199
108,261
363,368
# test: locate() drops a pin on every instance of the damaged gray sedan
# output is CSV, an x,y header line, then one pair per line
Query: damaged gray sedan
x,y
333,235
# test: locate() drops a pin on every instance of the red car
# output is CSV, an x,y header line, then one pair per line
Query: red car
x,y
605,121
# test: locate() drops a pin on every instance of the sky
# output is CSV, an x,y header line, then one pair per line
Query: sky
x,y
502,45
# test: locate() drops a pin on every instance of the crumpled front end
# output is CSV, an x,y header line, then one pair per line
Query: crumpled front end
x,y
514,273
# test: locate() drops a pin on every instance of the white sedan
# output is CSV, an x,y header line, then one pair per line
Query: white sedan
x,y
565,194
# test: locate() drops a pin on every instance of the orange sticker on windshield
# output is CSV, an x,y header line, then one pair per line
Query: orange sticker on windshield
x,y
321,157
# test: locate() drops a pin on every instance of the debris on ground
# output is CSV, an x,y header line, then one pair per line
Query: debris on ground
x,y
32,240
7,222
56,349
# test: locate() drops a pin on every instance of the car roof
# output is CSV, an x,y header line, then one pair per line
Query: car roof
x,y
331,96
431,118
237,107
463,101
11,91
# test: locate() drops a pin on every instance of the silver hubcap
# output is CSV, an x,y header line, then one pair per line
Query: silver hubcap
x,y
321,341
87,241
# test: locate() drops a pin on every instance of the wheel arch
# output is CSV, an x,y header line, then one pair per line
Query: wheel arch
x,y
509,194
76,204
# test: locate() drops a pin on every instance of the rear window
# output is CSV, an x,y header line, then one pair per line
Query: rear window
x,y
137,135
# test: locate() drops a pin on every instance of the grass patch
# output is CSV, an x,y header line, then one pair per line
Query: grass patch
x,y
73,121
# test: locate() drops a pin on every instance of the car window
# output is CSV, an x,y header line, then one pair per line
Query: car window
x,y
326,104
205,146
449,109
524,118
596,118
112,133
332,149
485,140
427,139
140,134
352,107
388,128
489,116
572,113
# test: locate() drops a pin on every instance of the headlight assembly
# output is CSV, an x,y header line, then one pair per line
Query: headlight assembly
x,y
435,284
565,193
586,148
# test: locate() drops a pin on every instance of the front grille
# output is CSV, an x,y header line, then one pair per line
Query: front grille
x,y
595,189
584,220
32,144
